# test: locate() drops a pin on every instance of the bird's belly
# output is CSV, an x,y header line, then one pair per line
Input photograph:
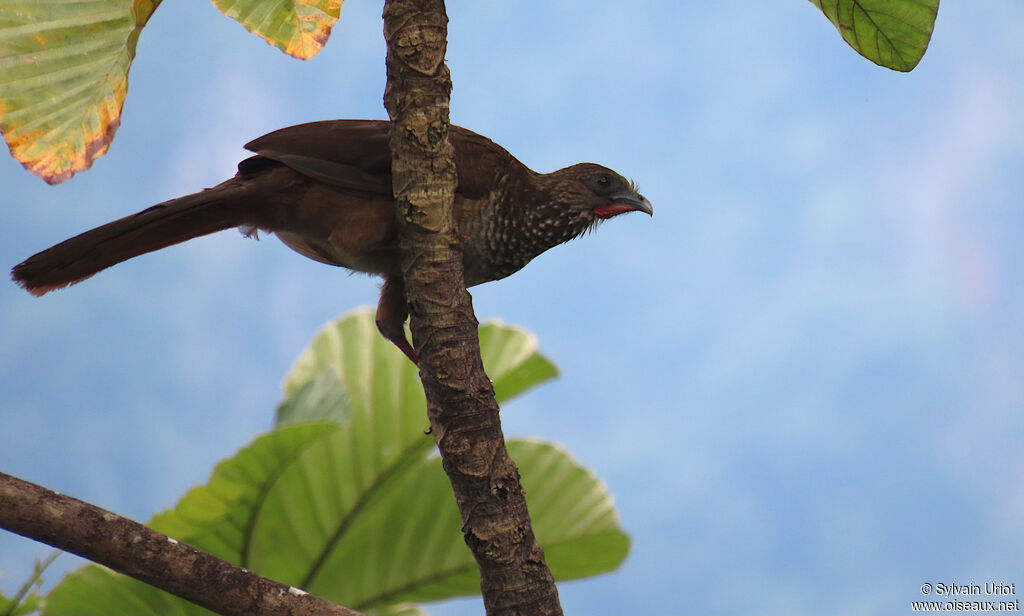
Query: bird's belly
x,y
350,230
378,260
478,270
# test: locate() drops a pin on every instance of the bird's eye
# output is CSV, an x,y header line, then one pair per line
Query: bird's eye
x,y
604,180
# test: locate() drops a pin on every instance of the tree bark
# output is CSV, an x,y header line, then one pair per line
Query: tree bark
x,y
460,399
144,554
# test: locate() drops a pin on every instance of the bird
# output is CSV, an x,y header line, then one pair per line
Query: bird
x,y
324,189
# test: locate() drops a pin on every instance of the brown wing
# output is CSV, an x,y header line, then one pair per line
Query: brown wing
x,y
355,155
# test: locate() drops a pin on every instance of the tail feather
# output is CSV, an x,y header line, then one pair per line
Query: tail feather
x,y
171,222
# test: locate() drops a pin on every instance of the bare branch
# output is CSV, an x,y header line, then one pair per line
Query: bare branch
x,y
144,554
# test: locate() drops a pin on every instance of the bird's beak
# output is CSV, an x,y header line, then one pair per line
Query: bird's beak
x,y
626,201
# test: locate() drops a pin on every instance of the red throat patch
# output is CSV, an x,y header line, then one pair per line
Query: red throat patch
x,y
605,212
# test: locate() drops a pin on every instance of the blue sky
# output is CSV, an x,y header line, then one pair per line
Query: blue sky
x,y
803,379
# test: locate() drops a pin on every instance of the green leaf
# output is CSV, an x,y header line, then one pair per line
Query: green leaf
x,y
356,509
891,33
28,605
300,28
573,513
380,384
222,516
349,360
96,591
63,78
322,398
407,545
401,609
512,360
26,601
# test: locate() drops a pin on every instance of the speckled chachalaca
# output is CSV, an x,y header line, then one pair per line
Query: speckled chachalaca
x,y
324,189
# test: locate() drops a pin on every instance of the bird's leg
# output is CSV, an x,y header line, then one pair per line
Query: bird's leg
x,y
392,310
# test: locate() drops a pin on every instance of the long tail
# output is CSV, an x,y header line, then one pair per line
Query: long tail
x,y
214,209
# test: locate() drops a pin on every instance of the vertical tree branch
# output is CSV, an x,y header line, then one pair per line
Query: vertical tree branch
x,y
460,399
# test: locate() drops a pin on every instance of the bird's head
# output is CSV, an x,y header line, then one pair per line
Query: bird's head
x,y
582,196
597,193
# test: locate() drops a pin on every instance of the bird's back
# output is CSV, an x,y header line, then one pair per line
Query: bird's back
x,y
356,155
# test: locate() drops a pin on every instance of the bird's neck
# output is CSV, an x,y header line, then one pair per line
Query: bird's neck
x,y
529,217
